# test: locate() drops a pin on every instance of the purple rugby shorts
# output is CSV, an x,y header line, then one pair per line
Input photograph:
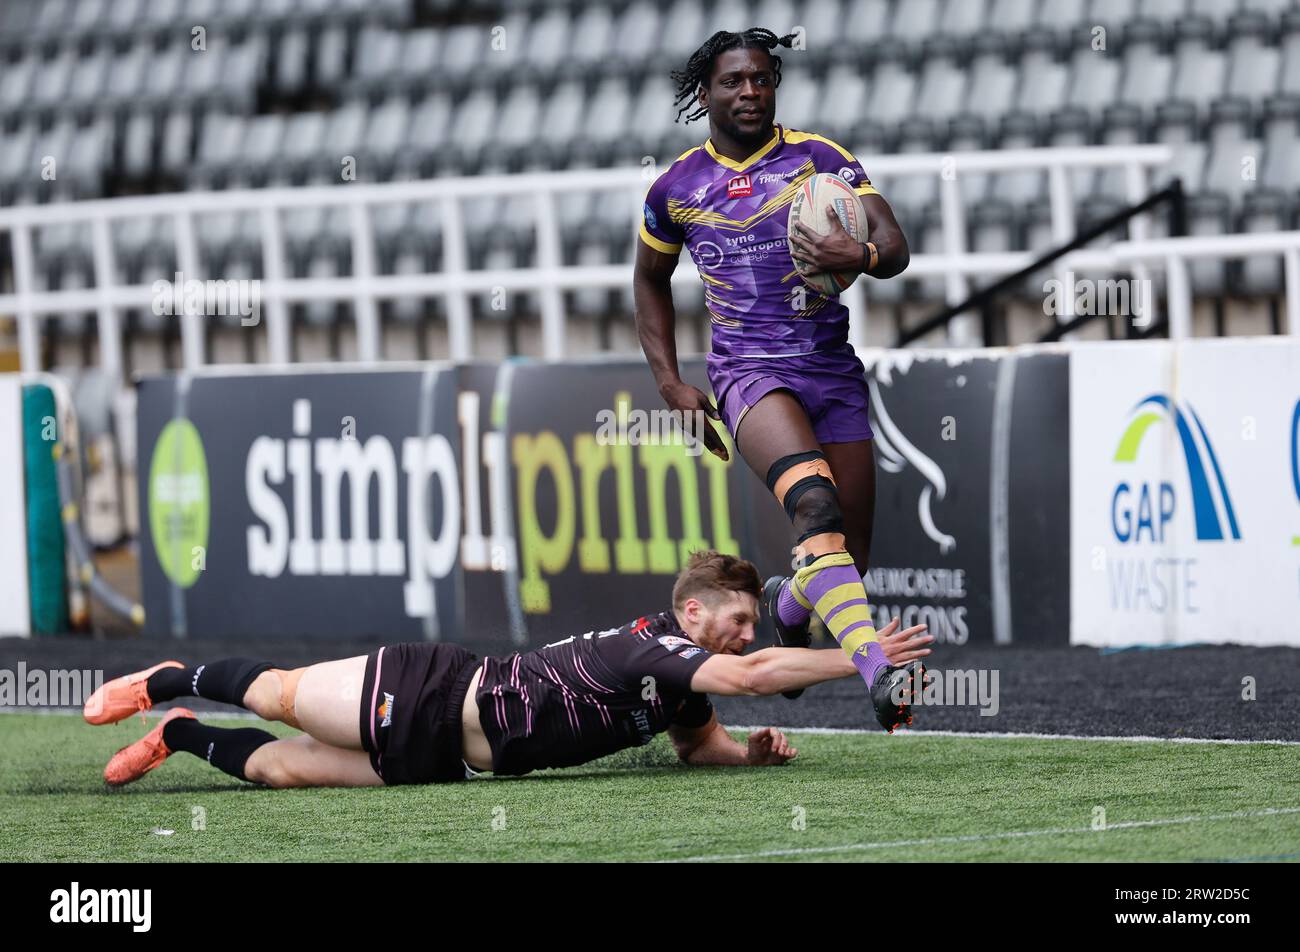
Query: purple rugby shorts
x,y
831,385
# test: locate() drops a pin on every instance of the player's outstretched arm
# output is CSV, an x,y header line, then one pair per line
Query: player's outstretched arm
x,y
712,746
655,326
774,670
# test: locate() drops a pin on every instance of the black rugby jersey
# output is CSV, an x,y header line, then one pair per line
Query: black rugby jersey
x,y
589,695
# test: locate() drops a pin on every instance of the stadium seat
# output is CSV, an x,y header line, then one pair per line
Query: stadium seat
x,y
683,29
421,152
1015,16
801,96
842,105
868,25
992,87
894,92
290,63
1200,77
1114,15
1289,81
377,51
562,119
606,121
52,79
87,79
387,125
915,20
942,89
126,76
591,37
652,115
1271,7
963,18
548,41
331,58
165,72
507,48
1043,82
1212,9
635,33
1094,83
418,63
471,129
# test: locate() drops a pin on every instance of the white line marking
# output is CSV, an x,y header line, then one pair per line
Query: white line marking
x,y
1003,735
984,837
981,735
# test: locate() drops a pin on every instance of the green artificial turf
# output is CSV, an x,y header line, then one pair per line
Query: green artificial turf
x,y
846,797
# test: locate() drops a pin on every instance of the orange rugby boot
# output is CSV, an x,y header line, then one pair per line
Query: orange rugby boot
x,y
122,697
135,760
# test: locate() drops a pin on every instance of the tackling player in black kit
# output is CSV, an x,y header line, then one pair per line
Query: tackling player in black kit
x,y
432,713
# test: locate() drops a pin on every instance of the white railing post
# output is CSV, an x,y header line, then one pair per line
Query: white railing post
x,y
550,260
363,271
455,261
961,329
1135,191
1180,298
187,262
110,335
1291,267
29,331
277,309
854,297
1063,230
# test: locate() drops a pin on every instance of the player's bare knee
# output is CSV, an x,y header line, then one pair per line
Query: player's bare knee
x,y
269,765
262,765
260,698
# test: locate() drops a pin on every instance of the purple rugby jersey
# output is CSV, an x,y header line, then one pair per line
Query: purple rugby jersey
x,y
732,218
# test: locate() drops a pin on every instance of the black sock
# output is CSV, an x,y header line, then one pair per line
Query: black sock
x,y
226,680
225,748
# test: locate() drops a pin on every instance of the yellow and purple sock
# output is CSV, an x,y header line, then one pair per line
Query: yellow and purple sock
x,y
830,586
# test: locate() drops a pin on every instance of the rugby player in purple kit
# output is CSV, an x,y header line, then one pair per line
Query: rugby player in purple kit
x,y
790,389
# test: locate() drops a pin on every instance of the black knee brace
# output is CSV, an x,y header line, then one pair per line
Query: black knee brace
x,y
812,503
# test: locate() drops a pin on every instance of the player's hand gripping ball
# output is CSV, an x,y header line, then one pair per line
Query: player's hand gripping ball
x,y
827,225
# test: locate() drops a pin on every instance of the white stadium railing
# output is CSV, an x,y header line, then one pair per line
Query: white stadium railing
x,y
549,278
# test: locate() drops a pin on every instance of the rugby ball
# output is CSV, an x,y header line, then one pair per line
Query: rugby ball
x,y
820,192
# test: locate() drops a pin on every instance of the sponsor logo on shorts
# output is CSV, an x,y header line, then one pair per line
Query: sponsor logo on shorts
x,y
673,642
386,710
741,186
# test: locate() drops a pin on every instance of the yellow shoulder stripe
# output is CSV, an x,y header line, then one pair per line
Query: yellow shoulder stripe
x,y
658,244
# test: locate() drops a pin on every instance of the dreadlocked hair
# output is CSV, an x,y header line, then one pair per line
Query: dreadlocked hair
x,y
700,66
